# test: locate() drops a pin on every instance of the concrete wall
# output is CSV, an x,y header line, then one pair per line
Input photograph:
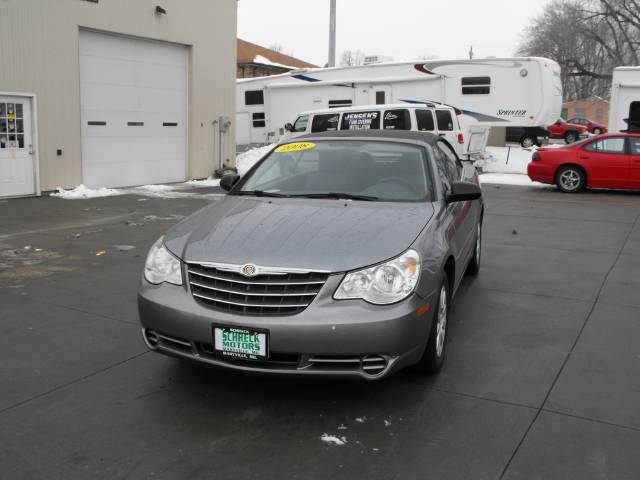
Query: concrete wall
x,y
39,54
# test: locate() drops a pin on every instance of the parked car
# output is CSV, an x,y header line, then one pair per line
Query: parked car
x,y
570,132
528,136
336,254
606,161
431,117
593,127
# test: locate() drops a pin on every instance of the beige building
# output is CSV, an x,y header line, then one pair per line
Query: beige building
x,y
114,92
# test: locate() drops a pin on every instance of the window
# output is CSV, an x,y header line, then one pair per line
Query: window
x,y
565,113
634,144
453,164
634,117
599,114
397,120
11,125
254,97
360,121
445,120
445,171
424,119
380,98
301,124
339,103
607,145
579,112
326,122
476,85
258,119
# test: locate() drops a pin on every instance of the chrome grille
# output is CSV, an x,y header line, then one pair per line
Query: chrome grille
x,y
270,293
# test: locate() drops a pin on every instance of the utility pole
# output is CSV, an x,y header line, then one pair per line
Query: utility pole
x,y
332,34
471,53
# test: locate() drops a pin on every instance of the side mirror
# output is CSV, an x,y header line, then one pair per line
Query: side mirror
x,y
464,191
288,127
228,181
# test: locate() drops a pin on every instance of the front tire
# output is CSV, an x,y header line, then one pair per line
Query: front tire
x,y
571,179
528,141
434,353
570,137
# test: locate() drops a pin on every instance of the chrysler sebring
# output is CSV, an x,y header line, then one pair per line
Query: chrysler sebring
x,y
336,254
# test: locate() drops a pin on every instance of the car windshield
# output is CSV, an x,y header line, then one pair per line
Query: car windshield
x,y
350,169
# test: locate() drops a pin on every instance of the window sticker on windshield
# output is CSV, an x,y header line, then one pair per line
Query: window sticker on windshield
x,y
295,147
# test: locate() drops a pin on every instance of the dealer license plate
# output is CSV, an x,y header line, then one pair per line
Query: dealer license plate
x,y
239,342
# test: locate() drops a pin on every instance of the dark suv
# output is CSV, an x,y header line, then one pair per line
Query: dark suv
x,y
528,136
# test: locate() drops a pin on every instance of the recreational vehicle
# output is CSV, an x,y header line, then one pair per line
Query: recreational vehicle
x,y
624,108
489,92
435,118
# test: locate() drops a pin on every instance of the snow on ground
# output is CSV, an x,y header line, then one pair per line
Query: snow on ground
x,y
506,166
246,160
207,182
333,439
82,192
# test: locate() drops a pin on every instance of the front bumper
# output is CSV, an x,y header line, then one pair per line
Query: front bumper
x,y
347,338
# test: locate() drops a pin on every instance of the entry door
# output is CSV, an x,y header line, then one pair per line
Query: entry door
x,y
634,166
17,165
380,94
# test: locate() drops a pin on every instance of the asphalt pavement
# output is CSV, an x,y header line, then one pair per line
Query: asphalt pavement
x,y
542,378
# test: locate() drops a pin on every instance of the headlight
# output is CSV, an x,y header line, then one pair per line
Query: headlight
x,y
161,266
386,283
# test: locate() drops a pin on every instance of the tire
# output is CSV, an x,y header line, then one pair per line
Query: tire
x,y
528,141
474,264
434,353
570,137
597,131
571,179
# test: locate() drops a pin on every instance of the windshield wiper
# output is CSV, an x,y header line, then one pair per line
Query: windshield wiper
x,y
259,193
338,196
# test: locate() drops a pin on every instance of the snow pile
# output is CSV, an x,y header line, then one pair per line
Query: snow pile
x,y
506,166
207,182
333,439
248,159
155,188
82,192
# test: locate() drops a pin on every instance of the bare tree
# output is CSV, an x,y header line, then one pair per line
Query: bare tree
x,y
351,58
588,38
277,47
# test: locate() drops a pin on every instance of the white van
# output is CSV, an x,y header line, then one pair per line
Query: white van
x,y
434,118
624,108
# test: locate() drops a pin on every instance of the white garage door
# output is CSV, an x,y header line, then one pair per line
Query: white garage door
x,y
133,110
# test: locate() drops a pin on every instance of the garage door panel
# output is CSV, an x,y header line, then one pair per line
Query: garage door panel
x,y
135,93
161,76
107,71
161,53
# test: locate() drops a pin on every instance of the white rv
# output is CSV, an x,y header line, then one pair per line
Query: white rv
x,y
489,92
624,108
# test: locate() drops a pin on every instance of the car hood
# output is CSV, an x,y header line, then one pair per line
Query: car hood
x,y
315,234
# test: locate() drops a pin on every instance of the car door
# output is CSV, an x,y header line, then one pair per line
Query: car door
x,y
606,162
634,160
457,219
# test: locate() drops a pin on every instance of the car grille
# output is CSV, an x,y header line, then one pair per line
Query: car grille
x,y
265,294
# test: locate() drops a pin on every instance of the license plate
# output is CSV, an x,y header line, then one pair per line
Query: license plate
x,y
240,342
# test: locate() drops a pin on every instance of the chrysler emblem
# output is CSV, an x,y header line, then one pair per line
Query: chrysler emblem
x,y
248,270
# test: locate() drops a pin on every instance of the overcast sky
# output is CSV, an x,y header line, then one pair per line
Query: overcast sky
x,y
402,29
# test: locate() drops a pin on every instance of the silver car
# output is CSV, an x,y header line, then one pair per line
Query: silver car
x,y
336,254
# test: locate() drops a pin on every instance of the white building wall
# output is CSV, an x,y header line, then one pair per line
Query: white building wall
x,y
39,41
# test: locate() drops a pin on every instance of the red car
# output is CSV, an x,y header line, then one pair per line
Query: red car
x,y
593,127
569,131
607,161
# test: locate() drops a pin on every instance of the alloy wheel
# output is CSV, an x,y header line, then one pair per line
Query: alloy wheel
x,y
570,179
527,142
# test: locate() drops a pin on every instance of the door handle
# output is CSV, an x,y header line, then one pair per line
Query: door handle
x,y
30,149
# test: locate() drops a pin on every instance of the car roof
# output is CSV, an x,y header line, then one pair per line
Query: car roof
x,y
391,135
386,106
